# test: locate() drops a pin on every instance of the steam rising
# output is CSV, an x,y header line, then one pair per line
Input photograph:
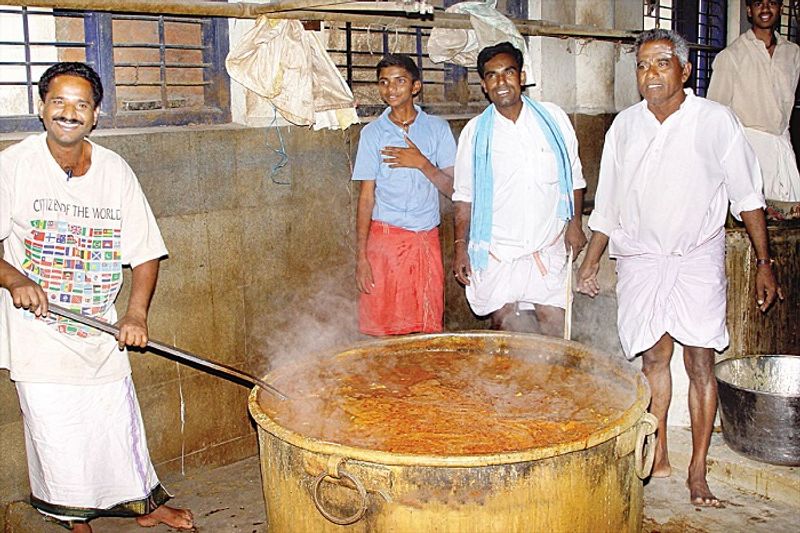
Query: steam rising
x,y
320,318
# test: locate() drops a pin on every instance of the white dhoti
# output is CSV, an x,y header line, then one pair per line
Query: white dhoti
x,y
87,452
529,280
778,164
680,295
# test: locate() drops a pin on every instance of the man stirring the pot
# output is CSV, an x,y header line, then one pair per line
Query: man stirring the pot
x,y
71,214
671,165
518,200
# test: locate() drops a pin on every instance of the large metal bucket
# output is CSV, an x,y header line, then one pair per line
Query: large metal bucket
x,y
314,486
759,399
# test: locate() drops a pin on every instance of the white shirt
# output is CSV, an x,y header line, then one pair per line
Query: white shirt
x,y
760,88
525,175
72,237
665,187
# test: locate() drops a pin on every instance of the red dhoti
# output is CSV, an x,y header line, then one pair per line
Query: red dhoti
x,y
408,296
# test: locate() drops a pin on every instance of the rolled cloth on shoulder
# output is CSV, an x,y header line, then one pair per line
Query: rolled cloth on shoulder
x,y
480,233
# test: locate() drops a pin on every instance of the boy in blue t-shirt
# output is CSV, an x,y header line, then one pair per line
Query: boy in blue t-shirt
x,y
405,160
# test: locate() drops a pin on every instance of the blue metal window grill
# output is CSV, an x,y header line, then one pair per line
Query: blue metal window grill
x,y
702,22
788,27
28,46
156,70
448,88
711,38
357,50
657,14
790,20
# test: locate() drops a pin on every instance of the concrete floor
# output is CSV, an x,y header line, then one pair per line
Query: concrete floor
x,y
757,498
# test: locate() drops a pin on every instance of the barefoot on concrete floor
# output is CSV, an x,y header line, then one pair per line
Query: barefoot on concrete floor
x,y
661,469
177,518
699,493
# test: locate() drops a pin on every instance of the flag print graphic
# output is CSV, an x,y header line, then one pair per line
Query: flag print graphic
x,y
79,267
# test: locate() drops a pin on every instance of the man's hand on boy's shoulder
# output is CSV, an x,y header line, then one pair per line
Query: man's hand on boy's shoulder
x,y
404,157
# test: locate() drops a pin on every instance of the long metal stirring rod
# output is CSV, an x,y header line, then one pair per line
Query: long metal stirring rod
x,y
166,348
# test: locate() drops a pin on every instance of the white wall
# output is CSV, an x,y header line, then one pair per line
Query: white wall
x,y
584,75
737,19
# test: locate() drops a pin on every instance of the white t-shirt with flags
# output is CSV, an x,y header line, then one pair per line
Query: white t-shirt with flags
x,y
71,236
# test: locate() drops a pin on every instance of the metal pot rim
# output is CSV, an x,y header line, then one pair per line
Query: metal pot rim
x,y
731,360
628,419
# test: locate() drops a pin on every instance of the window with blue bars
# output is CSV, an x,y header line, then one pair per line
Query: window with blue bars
x,y
356,50
702,22
156,69
447,88
790,20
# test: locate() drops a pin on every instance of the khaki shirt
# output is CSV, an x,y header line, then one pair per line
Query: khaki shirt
x,y
760,89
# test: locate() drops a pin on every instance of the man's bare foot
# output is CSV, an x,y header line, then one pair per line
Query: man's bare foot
x,y
81,527
661,470
700,495
177,518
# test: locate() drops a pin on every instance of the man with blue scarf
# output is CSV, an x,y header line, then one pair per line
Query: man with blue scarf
x,y
518,199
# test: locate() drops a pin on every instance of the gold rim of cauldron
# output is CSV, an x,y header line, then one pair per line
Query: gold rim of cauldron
x,y
617,366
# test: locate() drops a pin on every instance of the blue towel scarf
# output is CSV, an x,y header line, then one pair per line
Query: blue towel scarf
x,y
480,232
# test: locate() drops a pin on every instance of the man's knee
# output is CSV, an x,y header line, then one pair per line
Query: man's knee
x,y
657,358
498,319
550,316
699,364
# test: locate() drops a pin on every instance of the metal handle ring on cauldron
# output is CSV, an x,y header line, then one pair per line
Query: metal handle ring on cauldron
x,y
645,437
355,517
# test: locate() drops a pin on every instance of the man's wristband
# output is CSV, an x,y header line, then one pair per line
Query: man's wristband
x,y
458,241
762,262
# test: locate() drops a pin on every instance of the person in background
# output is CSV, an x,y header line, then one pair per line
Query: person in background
x,y
404,162
756,76
671,166
71,214
518,200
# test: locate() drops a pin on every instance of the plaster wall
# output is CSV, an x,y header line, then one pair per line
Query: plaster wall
x,y
737,19
594,60
587,77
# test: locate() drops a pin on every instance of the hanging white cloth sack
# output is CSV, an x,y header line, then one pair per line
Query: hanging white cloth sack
x,y
489,27
280,61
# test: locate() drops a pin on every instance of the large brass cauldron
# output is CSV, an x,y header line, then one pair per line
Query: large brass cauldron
x,y
592,483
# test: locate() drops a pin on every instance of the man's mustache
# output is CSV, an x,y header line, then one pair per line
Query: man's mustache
x,y
69,121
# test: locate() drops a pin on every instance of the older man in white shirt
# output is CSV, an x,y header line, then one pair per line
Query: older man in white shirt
x,y
671,165
518,199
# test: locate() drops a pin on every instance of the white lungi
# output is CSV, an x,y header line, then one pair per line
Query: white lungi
x,y
523,280
683,295
86,447
778,164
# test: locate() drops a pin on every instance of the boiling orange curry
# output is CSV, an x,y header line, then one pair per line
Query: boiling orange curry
x,y
443,402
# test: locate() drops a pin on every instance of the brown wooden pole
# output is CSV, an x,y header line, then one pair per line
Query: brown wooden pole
x,y
178,7
323,10
455,21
